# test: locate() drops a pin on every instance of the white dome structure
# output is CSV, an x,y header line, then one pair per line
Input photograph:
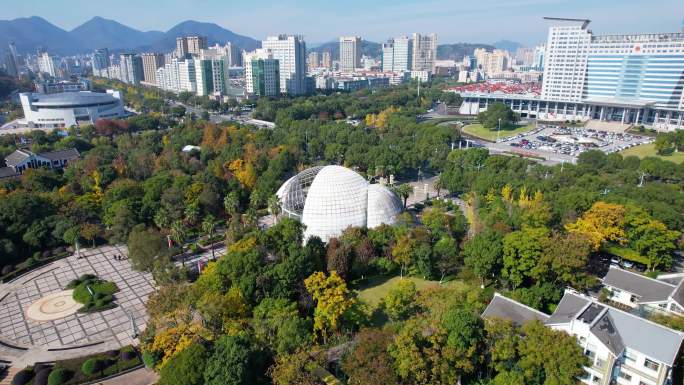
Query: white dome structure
x,y
329,199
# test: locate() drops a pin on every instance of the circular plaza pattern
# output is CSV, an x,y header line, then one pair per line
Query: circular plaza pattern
x,y
39,321
53,307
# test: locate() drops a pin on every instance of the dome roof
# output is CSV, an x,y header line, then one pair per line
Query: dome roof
x,y
329,199
383,206
336,200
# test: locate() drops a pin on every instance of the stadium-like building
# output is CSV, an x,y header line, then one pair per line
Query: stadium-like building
x,y
66,109
329,199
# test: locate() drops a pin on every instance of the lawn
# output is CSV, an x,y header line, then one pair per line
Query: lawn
x,y
478,131
645,150
373,290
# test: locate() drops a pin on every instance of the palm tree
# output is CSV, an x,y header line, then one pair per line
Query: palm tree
x,y
178,232
439,185
274,205
208,227
404,191
192,212
231,203
161,218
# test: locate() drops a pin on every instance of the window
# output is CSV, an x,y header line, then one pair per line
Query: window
x,y
651,364
625,376
629,356
590,353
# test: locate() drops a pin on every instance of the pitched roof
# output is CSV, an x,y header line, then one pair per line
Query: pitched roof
x,y
6,172
618,329
678,294
17,157
506,308
647,289
68,154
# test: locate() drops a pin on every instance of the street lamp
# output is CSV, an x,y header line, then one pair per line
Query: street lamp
x,y
498,131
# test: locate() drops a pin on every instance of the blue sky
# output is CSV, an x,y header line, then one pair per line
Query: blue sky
x,y
483,21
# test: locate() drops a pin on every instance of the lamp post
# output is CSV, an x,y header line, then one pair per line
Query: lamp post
x,y
498,131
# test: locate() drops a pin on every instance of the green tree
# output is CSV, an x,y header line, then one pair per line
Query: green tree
x,y
400,301
367,361
209,227
276,321
495,112
484,254
186,367
522,252
145,247
404,191
232,362
297,368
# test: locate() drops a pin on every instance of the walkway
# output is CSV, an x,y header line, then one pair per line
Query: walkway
x,y
141,376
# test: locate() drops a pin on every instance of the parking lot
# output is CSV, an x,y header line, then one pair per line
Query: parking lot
x,y
572,141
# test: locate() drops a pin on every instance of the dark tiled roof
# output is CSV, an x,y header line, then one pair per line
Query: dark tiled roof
x,y
7,172
678,294
17,157
606,331
506,308
568,308
647,289
68,154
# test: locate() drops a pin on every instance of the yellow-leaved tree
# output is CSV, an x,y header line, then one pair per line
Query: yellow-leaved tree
x,y
332,301
603,222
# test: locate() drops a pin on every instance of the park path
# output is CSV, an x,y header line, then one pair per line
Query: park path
x,y
142,376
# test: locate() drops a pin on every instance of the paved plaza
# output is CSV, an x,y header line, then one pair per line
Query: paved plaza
x,y
23,340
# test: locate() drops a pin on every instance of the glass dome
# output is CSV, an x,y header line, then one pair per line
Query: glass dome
x,y
329,199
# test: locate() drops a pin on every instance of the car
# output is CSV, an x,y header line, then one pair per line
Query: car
x,y
615,260
627,264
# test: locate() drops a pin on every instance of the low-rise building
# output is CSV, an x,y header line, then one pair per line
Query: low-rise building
x,y
622,348
664,294
22,160
68,109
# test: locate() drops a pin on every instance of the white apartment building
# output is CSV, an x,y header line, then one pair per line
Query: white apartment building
x,y
350,53
493,62
290,51
46,64
187,78
424,52
326,60
131,68
622,348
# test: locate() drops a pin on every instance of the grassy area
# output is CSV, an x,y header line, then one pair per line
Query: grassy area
x,y
645,150
373,290
625,253
477,130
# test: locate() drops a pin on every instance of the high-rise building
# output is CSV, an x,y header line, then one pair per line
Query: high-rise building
x,y
493,62
229,53
187,76
151,62
168,77
350,53
46,64
100,62
524,56
397,54
190,45
290,51
262,73
312,61
538,62
424,52
326,60
11,60
566,60
131,68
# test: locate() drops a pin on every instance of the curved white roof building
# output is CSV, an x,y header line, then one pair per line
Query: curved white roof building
x,y
329,199
66,109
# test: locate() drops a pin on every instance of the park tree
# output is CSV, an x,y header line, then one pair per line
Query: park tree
x,y
400,301
297,368
367,361
332,301
233,361
276,322
339,256
209,227
186,367
603,222
497,112
522,253
145,247
650,237
404,191
484,254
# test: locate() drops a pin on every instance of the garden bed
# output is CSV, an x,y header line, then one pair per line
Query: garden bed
x,y
95,294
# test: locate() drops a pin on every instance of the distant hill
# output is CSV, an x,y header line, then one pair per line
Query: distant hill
x,y
368,48
213,32
457,51
103,33
28,34
510,46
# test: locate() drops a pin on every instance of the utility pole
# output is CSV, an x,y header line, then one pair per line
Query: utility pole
x,y
498,131
641,179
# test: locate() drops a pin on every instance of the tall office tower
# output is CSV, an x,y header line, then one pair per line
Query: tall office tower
x,y
350,53
229,53
100,62
11,60
46,64
626,71
424,52
290,51
192,45
312,61
538,62
388,56
204,79
262,73
326,60
151,62
131,68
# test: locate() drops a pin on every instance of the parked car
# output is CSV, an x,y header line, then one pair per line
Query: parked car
x,y
627,264
615,260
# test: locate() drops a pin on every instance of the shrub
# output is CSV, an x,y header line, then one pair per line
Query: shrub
x,y
91,366
31,261
22,377
127,355
58,376
150,359
42,376
7,269
113,353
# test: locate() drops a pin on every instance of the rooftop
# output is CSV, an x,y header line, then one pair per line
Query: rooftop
x,y
506,308
71,98
647,289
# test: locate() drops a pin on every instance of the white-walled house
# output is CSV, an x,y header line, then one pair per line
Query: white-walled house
x,y
624,349
664,294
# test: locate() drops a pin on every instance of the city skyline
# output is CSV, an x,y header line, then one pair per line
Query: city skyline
x,y
453,22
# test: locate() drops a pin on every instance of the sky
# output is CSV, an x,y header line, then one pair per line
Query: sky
x,y
479,21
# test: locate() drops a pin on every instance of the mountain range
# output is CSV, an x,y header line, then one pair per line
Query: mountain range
x,y
34,32
31,33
